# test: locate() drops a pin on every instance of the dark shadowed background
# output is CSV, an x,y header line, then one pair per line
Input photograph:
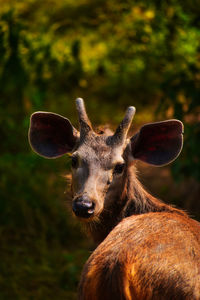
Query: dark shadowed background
x,y
112,54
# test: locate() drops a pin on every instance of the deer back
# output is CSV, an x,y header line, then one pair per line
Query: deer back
x,y
148,256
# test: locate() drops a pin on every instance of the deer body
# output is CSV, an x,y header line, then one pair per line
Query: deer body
x,y
147,249
148,256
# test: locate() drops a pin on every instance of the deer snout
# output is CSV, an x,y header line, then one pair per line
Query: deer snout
x,y
83,207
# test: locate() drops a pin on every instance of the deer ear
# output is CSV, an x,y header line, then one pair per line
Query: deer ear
x,y
158,143
51,135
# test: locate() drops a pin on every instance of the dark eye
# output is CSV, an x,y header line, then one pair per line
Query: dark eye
x,y
74,162
118,168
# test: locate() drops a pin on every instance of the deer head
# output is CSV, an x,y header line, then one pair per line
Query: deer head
x,y
100,160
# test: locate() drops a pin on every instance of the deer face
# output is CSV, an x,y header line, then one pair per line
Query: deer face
x,y
98,160
96,167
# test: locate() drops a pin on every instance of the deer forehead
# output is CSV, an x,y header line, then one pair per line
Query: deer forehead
x,y
96,151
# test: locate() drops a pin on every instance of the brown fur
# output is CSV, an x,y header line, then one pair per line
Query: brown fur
x,y
148,256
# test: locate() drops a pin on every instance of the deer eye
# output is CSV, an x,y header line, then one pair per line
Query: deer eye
x,y
118,168
74,162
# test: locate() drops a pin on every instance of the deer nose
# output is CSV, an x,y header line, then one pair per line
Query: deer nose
x,y
83,207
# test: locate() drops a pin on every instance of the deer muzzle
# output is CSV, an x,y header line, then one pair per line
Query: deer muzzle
x,y
83,207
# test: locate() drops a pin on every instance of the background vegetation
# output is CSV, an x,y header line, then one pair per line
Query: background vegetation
x,y
113,54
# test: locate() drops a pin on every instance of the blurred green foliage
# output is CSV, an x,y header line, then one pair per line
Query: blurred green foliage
x,y
113,54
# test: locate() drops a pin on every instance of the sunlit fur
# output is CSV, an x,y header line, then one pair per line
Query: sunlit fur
x,y
147,256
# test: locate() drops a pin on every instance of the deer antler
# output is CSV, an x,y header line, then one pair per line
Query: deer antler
x,y
85,124
122,130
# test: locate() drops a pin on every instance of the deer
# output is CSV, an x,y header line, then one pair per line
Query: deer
x,y
146,249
